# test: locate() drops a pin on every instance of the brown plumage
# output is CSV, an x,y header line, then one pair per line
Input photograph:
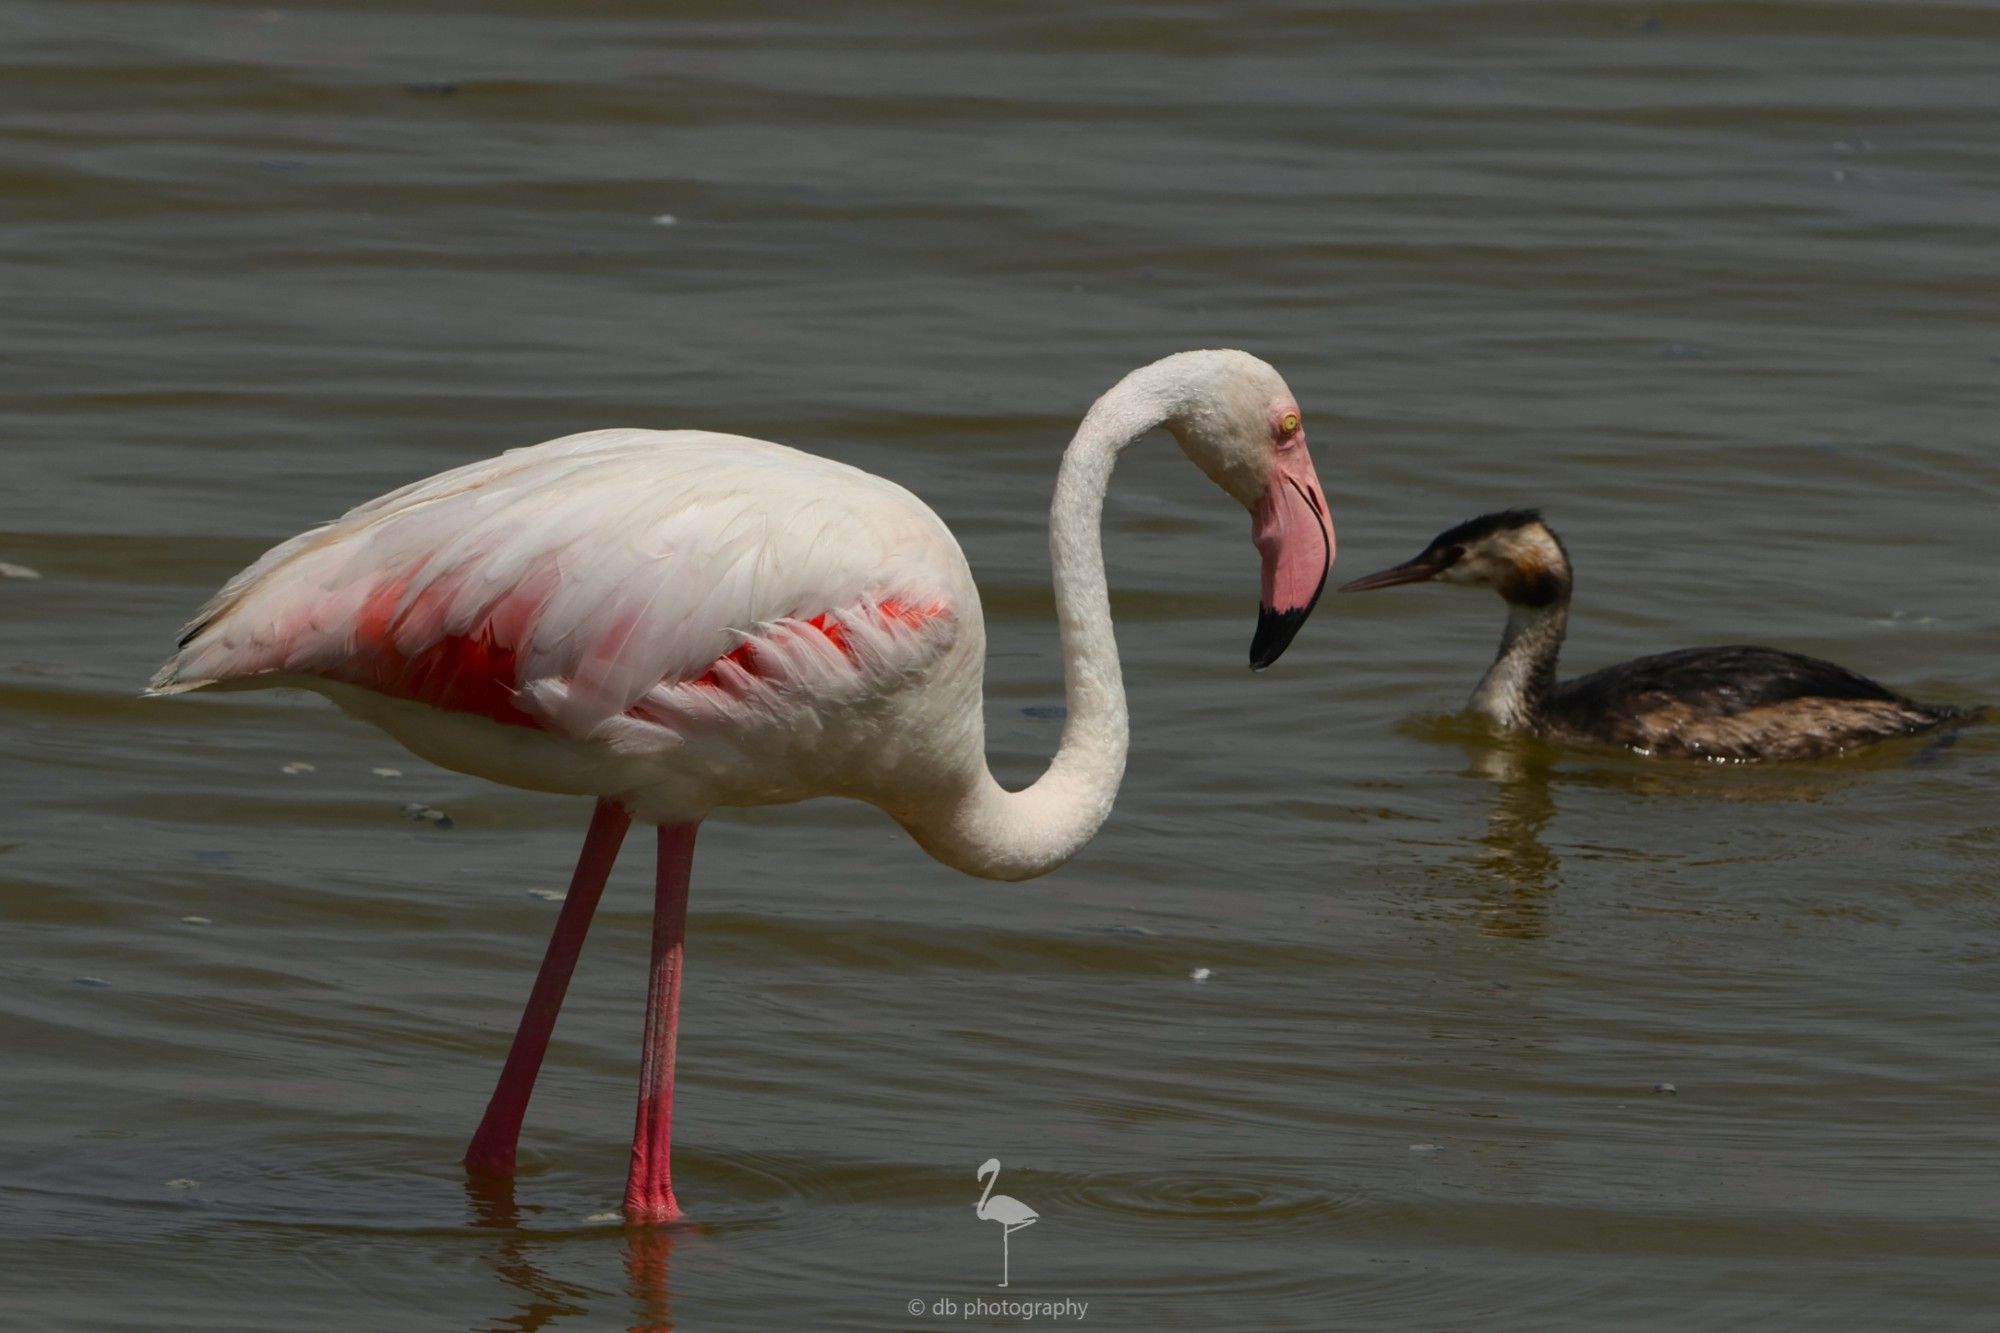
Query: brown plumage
x,y
1738,702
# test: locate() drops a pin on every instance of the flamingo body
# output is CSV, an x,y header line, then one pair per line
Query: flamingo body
x,y
672,621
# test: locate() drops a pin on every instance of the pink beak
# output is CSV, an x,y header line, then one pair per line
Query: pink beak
x,y
1294,534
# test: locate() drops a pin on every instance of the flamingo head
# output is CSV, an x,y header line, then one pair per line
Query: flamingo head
x,y
990,1167
1236,419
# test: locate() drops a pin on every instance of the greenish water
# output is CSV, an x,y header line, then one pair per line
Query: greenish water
x,y
1714,284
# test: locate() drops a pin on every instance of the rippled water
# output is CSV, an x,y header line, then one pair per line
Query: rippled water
x,y
1713,283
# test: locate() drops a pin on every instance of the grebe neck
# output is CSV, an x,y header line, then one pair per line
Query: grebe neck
x,y
1518,690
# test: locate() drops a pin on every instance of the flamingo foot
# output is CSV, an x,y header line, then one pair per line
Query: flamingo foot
x,y
492,1160
652,1208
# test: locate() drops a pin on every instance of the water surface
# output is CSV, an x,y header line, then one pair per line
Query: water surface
x,y
1712,283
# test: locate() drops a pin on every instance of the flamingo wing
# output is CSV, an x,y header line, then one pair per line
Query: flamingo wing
x,y
609,585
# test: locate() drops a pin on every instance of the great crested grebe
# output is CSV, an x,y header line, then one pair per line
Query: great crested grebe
x,y
1736,703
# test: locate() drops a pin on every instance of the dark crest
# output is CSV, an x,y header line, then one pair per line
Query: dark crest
x,y
1486,525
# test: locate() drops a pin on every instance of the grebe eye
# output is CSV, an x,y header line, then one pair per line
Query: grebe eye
x,y
1289,424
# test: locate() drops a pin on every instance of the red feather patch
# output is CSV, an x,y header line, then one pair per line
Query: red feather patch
x,y
479,672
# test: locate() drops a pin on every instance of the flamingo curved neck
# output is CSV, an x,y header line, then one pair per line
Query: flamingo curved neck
x,y
985,829
992,1178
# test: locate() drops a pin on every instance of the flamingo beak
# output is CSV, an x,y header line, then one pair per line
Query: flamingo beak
x,y
1294,534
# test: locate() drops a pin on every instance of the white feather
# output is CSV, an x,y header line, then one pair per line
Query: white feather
x,y
640,559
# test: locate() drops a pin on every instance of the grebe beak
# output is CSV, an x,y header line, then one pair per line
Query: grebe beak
x,y
1410,571
1294,535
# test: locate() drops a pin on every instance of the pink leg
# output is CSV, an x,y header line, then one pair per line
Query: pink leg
x,y
649,1189
493,1144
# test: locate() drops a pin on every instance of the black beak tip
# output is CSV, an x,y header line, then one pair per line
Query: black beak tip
x,y
1275,631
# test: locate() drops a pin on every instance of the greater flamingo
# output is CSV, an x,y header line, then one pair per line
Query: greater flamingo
x,y
672,621
1010,1213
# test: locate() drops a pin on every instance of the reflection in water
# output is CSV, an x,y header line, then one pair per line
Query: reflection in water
x,y
546,1299
1523,770
646,1253
490,1199
1511,850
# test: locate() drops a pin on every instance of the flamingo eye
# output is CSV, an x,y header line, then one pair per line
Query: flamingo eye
x,y
1288,423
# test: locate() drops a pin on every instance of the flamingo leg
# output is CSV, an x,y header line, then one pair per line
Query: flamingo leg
x,y
649,1188
499,1132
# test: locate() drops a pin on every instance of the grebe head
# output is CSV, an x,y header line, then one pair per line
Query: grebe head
x,y
1513,552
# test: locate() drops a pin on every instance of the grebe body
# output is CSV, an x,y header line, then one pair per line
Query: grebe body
x,y
1733,703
